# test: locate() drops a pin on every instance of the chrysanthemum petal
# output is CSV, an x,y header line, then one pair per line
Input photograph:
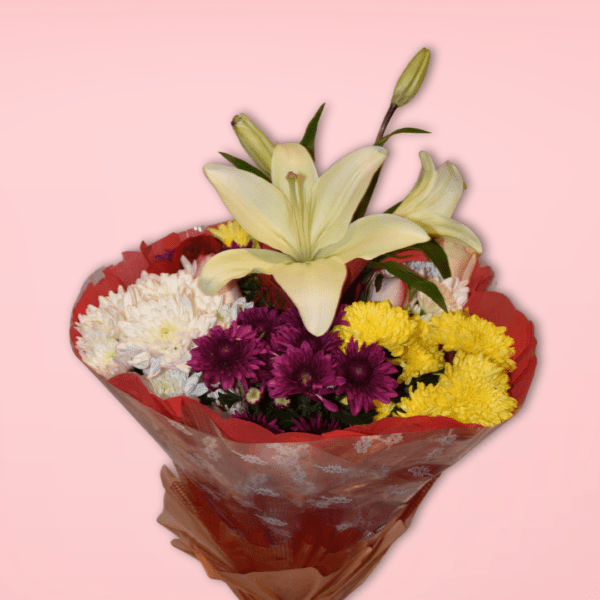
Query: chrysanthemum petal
x,y
458,331
233,235
473,389
378,323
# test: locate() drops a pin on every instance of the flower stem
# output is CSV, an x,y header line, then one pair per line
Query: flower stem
x,y
386,120
364,203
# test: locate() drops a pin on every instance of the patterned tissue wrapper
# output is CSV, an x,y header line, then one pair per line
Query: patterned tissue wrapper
x,y
268,490
316,563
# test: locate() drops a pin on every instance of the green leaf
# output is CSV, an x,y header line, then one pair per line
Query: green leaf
x,y
412,279
431,249
384,139
308,141
347,419
243,165
364,203
229,399
435,253
391,209
426,378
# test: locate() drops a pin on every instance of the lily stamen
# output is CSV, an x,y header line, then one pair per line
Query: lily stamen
x,y
301,211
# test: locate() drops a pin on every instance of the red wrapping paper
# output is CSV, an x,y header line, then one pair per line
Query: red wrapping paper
x,y
267,489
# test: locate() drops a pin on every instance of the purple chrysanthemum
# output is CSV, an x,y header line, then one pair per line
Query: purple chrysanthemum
x,y
234,244
262,319
305,371
339,316
260,419
225,356
315,424
290,331
367,376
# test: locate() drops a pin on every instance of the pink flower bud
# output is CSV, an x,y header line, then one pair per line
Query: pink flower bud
x,y
461,257
384,286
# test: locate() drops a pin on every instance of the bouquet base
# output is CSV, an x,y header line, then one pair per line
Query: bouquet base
x,y
318,564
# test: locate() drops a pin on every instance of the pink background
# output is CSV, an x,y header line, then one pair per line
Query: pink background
x,y
109,109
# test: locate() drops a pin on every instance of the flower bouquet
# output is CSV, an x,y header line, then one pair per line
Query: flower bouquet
x,y
309,370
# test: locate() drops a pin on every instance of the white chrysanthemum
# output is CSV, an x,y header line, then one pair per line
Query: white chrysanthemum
x,y
185,284
100,334
225,313
173,382
194,386
158,333
153,285
152,325
425,268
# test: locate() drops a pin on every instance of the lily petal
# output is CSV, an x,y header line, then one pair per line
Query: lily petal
x,y
339,191
435,191
315,288
374,235
424,185
437,225
447,190
432,201
233,264
257,205
292,158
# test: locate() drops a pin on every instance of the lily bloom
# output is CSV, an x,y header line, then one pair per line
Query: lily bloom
x,y
433,200
306,219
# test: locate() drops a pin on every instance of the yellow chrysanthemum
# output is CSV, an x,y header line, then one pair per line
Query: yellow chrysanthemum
x,y
377,323
383,410
420,357
472,334
231,232
473,389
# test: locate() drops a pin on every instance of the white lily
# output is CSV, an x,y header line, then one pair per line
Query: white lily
x,y
307,219
433,200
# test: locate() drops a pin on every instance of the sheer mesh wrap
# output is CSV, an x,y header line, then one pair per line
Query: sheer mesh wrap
x,y
296,515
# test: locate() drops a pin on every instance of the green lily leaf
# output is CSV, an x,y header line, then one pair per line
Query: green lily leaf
x,y
364,203
308,141
412,280
384,139
243,165
435,253
391,209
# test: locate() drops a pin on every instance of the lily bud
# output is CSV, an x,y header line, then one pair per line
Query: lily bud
x,y
256,144
411,79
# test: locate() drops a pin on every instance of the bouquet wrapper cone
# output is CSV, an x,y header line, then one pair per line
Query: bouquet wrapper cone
x,y
297,515
203,536
292,519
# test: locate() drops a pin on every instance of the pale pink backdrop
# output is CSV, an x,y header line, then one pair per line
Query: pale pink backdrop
x,y
109,109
